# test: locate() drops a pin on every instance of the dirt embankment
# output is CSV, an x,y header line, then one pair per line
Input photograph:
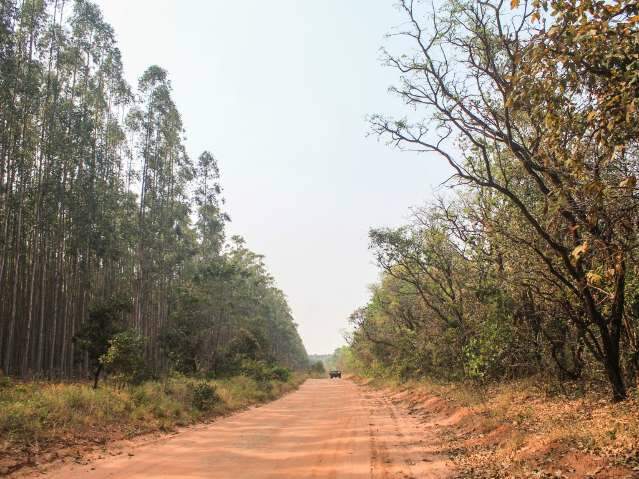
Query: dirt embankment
x,y
516,432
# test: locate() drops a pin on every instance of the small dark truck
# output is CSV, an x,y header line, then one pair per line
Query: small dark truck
x,y
335,374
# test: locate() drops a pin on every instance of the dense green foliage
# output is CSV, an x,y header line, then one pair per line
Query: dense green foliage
x,y
107,226
531,266
124,359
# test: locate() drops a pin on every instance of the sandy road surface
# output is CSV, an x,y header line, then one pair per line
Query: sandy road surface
x,y
326,429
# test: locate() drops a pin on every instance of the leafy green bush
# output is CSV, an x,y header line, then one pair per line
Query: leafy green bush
x,y
483,354
262,371
205,396
102,325
125,357
253,369
280,373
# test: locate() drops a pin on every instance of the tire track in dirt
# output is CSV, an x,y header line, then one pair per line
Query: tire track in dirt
x,y
401,446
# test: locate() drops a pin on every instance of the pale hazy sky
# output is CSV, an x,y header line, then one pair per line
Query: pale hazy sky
x,y
279,90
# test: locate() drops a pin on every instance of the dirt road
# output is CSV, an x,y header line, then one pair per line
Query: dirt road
x,y
326,429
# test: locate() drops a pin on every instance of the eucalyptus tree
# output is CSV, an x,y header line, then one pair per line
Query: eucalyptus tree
x,y
210,217
164,236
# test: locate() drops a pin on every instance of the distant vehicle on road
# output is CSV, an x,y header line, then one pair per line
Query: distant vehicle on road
x,y
335,374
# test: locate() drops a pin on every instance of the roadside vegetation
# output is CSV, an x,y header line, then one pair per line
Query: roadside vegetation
x,y
44,421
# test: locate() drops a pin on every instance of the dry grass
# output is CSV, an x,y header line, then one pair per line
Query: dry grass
x,y
39,419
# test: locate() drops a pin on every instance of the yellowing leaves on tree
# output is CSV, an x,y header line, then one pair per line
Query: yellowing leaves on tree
x,y
580,251
629,182
593,278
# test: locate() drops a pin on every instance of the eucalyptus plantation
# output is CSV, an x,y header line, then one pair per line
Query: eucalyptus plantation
x,y
101,204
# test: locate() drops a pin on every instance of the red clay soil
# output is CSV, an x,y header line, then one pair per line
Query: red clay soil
x,y
326,429
485,448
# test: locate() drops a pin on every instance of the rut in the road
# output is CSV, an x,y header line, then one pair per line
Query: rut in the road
x,y
401,446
